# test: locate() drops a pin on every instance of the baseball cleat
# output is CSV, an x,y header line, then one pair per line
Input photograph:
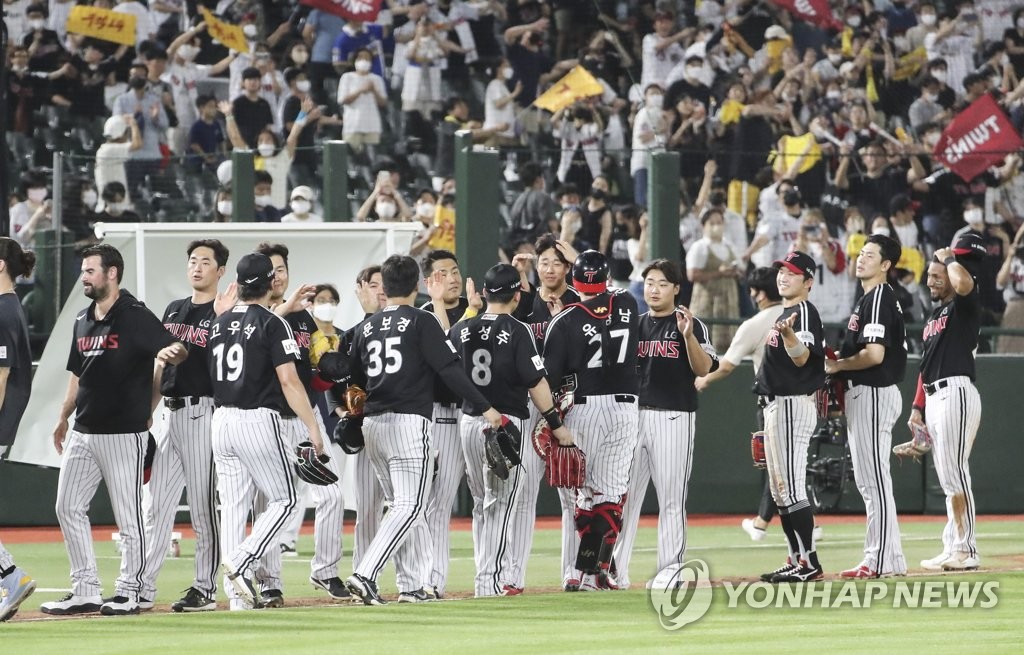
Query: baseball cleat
x,y
859,572
589,582
14,589
364,589
239,605
334,587
194,601
243,586
72,604
817,533
288,550
417,596
509,590
935,563
756,533
961,562
785,568
571,584
119,606
438,594
802,573
272,598
606,581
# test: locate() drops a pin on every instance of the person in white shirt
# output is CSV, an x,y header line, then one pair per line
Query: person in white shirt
x,y
833,290
712,267
112,155
361,94
33,213
661,50
776,232
650,131
500,106
302,207
956,41
145,26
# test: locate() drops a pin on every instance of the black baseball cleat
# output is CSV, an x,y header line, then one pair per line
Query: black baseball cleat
x,y
194,601
416,596
785,568
802,573
272,598
334,587
364,589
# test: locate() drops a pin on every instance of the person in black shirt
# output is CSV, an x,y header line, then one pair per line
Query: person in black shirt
x,y
252,114
500,357
184,454
675,349
947,400
110,392
393,356
872,361
594,343
791,372
253,362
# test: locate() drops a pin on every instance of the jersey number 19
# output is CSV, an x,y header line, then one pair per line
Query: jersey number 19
x,y
233,360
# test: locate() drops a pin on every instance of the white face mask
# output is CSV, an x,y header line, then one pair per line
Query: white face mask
x,y
930,97
425,210
693,72
188,52
386,209
301,207
974,216
117,208
928,19
836,59
940,75
300,57
263,201
655,101
883,231
325,312
507,73
853,21
224,207
265,149
37,23
363,65
249,31
303,86
89,198
37,195
834,94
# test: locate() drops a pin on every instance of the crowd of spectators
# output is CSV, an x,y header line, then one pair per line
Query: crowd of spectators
x,y
790,135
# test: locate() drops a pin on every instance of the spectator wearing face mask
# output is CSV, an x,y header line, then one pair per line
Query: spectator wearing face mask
x,y
32,213
777,231
956,41
500,106
116,207
304,164
926,109
252,113
712,265
122,138
301,206
354,36
43,44
223,206
424,209
581,132
183,75
362,94
1010,279
650,131
265,211
148,110
927,23
384,203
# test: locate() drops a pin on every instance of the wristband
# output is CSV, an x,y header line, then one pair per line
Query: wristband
x,y
553,419
949,260
797,350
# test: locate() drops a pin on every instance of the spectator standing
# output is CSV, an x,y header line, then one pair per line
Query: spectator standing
x,y
362,95
320,32
148,111
123,137
252,113
1011,280
712,267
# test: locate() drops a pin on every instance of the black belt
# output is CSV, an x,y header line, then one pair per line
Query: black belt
x,y
935,386
763,401
448,405
182,402
619,398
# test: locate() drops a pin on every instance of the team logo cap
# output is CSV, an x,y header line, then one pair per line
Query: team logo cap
x,y
501,278
254,269
799,262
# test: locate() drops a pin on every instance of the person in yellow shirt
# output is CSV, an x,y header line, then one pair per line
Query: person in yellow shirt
x,y
443,236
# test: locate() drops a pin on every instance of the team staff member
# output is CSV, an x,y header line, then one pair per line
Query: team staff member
x,y
872,361
947,401
395,354
184,455
792,370
253,364
595,341
110,391
15,386
500,357
675,348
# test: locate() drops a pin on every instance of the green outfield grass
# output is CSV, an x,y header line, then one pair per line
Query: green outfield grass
x,y
550,622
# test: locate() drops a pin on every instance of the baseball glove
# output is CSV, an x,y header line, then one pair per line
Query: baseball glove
x,y
542,438
757,450
566,466
917,447
312,468
502,446
353,400
348,434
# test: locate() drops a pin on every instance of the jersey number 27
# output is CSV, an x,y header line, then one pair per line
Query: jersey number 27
x,y
621,335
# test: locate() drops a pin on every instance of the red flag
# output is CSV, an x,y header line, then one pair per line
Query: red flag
x,y
978,137
361,10
816,12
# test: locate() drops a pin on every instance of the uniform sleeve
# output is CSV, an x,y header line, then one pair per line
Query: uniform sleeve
x,y
7,342
969,305
879,321
148,332
74,357
528,362
281,341
703,334
556,351
430,333
809,330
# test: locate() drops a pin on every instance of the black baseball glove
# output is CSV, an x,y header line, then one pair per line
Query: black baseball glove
x,y
501,446
348,434
311,468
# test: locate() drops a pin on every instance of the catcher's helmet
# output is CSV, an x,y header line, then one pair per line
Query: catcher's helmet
x,y
970,247
590,272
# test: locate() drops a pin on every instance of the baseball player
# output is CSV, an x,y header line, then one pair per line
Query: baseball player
x,y
184,455
791,372
395,354
872,361
110,391
595,340
675,348
15,387
947,401
500,356
254,361
330,507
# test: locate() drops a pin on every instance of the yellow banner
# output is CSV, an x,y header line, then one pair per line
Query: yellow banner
x,y
909,64
231,36
102,24
577,84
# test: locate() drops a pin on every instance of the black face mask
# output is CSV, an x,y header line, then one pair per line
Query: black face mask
x,y
598,194
136,83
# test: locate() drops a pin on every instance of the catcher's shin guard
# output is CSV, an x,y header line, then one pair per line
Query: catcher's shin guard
x,y
598,529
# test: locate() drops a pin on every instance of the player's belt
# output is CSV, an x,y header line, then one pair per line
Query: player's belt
x,y
619,398
764,401
936,386
183,402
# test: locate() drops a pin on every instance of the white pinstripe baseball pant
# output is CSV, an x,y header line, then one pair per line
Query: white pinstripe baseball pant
x,y
524,507
953,415
871,412
6,559
117,460
451,467
789,422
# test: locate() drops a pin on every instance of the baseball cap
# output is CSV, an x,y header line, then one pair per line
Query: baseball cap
x,y
501,278
775,32
970,246
115,127
798,262
254,269
302,191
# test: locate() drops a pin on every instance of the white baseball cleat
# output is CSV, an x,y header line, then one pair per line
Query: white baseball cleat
x,y
817,533
14,589
961,562
756,533
935,563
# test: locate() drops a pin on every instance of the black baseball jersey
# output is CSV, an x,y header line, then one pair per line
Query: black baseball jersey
x,y
190,324
877,318
247,345
442,394
501,359
778,375
950,338
303,327
395,354
15,355
113,359
595,340
536,313
666,378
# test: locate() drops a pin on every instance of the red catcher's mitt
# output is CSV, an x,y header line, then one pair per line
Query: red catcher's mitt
x,y
757,450
566,466
354,398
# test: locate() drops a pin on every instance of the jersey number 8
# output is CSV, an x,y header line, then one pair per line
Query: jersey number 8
x,y
392,361
233,359
481,371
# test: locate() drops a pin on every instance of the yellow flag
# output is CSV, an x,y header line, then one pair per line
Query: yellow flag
x,y
231,36
102,24
577,84
794,146
909,64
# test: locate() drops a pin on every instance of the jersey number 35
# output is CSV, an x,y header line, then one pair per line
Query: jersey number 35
x,y
391,361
